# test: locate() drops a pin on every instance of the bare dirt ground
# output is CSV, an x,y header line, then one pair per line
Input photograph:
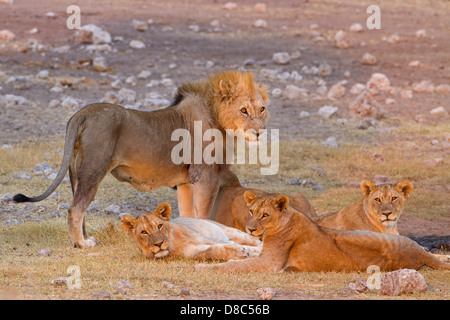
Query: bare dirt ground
x,y
186,40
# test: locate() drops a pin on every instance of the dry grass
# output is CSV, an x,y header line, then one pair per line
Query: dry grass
x,y
23,274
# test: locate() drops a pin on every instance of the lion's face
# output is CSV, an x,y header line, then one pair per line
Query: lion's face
x,y
240,104
385,202
265,213
151,231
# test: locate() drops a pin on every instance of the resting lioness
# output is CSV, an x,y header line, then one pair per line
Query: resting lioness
x,y
291,241
378,211
159,237
231,209
137,147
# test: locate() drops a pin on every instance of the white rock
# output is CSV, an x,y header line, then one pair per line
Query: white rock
x,y
6,35
281,57
98,48
112,97
167,82
260,7
70,103
337,91
99,64
113,209
438,111
422,33
443,88
62,49
327,111
144,74
406,94
7,147
390,101
414,64
128,95
342,40
304,114
230,6
330,143
379,81
369,59
139,25
260,23
194,28
137,44
277,93
293,92
325,70
356,27
394,38
43,74
423,86
357,88
215,23
91,33
266,293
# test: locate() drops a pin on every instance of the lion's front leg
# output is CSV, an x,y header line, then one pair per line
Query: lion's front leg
x,y
240,237
184,198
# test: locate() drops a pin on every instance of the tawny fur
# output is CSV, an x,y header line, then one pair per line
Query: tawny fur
x,y
291,241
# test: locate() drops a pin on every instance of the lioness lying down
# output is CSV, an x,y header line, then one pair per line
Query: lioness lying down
x,y
291,241
159,237
378,211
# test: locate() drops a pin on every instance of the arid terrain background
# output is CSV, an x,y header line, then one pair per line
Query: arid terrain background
x,y
47,74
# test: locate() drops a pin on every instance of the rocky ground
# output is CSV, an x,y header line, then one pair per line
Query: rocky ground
x,y
328,75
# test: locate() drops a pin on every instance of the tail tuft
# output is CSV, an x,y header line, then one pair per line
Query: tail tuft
x,y
21,198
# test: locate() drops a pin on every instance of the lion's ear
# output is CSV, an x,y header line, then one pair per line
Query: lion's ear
x,y
163,210
263,92
281,203
225,89
367,186
128,223
250,197
406,188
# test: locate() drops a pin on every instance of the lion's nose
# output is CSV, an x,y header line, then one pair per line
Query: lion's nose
x,y
250,230
158,244
387,214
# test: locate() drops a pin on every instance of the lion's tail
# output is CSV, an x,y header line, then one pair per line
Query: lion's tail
x,y
72,130
435,263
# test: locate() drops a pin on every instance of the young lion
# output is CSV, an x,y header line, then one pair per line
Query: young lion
x,y
291,241
136,147
379,211
159,237
231,210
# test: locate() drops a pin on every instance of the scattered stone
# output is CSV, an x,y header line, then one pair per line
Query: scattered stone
x,y
394,38
366,123
43,74
101,295
62,49
403,281
113,209
12,222
139,25
433,163
424,86
358,286
342,42
327,111
91,33
356,27
342,122
22,175
337,91
44,253
304,114
318,170
438,111
369,59
390,101
6,1
70,103
7,197
422,33
379,81
406,94
294,181
260,7
277,93
99,64
414,64
318,188
266,293
144,74
194,28
357,88
137,44
260,23
112,97
443,88
6,35
230,6
128,95
324,70
167,285
281,57
293,92
330,143
7,147
124,284
185,292
98,48
61,281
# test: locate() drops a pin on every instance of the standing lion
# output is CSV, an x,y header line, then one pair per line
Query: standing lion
x,y
136,146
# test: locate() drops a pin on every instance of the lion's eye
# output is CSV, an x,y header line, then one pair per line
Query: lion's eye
x,y
251,212
244,110
144,232
394,198
378,200
265,215
160,226
262,109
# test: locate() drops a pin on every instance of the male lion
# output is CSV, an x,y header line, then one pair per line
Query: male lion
x,y
136,146
291,241
159,237
231,209
379,211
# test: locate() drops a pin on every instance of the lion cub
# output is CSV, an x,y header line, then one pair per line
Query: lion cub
x,y
291,241
158,237
379,211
